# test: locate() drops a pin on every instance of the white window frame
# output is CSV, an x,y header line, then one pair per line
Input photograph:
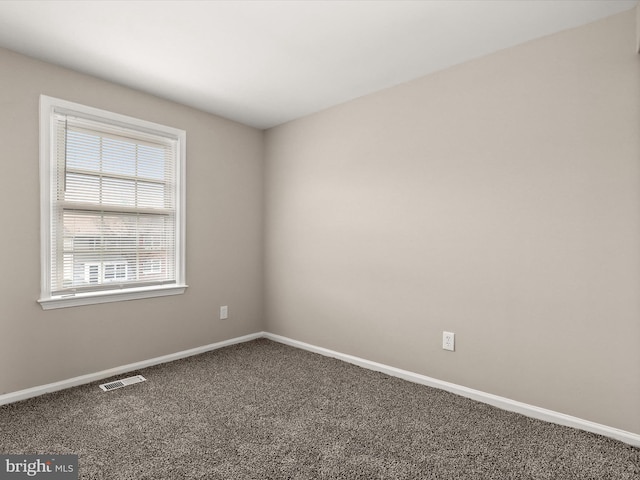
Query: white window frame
x,y
48,169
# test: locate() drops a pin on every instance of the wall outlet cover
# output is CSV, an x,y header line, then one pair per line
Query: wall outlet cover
x,y
449,341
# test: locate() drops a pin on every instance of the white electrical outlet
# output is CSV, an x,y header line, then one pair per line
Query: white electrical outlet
x,y
224,312
448,341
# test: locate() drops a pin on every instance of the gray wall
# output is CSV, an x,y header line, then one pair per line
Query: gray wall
x,y
499,199
638,27
224,238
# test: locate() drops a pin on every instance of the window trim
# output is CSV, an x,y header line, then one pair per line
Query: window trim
x,y
49,106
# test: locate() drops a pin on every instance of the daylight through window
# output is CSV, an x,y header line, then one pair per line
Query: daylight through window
x,y
112,206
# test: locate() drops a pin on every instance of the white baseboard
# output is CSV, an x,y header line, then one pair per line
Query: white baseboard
x,y
92,377
488,398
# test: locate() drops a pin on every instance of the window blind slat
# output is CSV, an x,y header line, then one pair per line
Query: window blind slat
x,y
114,212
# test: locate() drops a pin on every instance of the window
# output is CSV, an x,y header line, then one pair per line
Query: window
x,y
95,273
112,201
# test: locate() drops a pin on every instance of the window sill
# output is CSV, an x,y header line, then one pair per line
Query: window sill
x,y
109,296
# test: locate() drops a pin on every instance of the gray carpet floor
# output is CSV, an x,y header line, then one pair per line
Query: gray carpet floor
x,y
262,410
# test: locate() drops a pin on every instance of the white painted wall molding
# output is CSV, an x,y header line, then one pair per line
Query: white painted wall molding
x,y
92,377
488,398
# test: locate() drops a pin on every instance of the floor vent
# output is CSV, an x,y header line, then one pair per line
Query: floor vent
x,y
122,383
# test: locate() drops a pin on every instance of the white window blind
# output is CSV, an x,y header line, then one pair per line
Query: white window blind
x,y
114,213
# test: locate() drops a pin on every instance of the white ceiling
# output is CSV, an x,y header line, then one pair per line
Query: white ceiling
x,y
263,63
